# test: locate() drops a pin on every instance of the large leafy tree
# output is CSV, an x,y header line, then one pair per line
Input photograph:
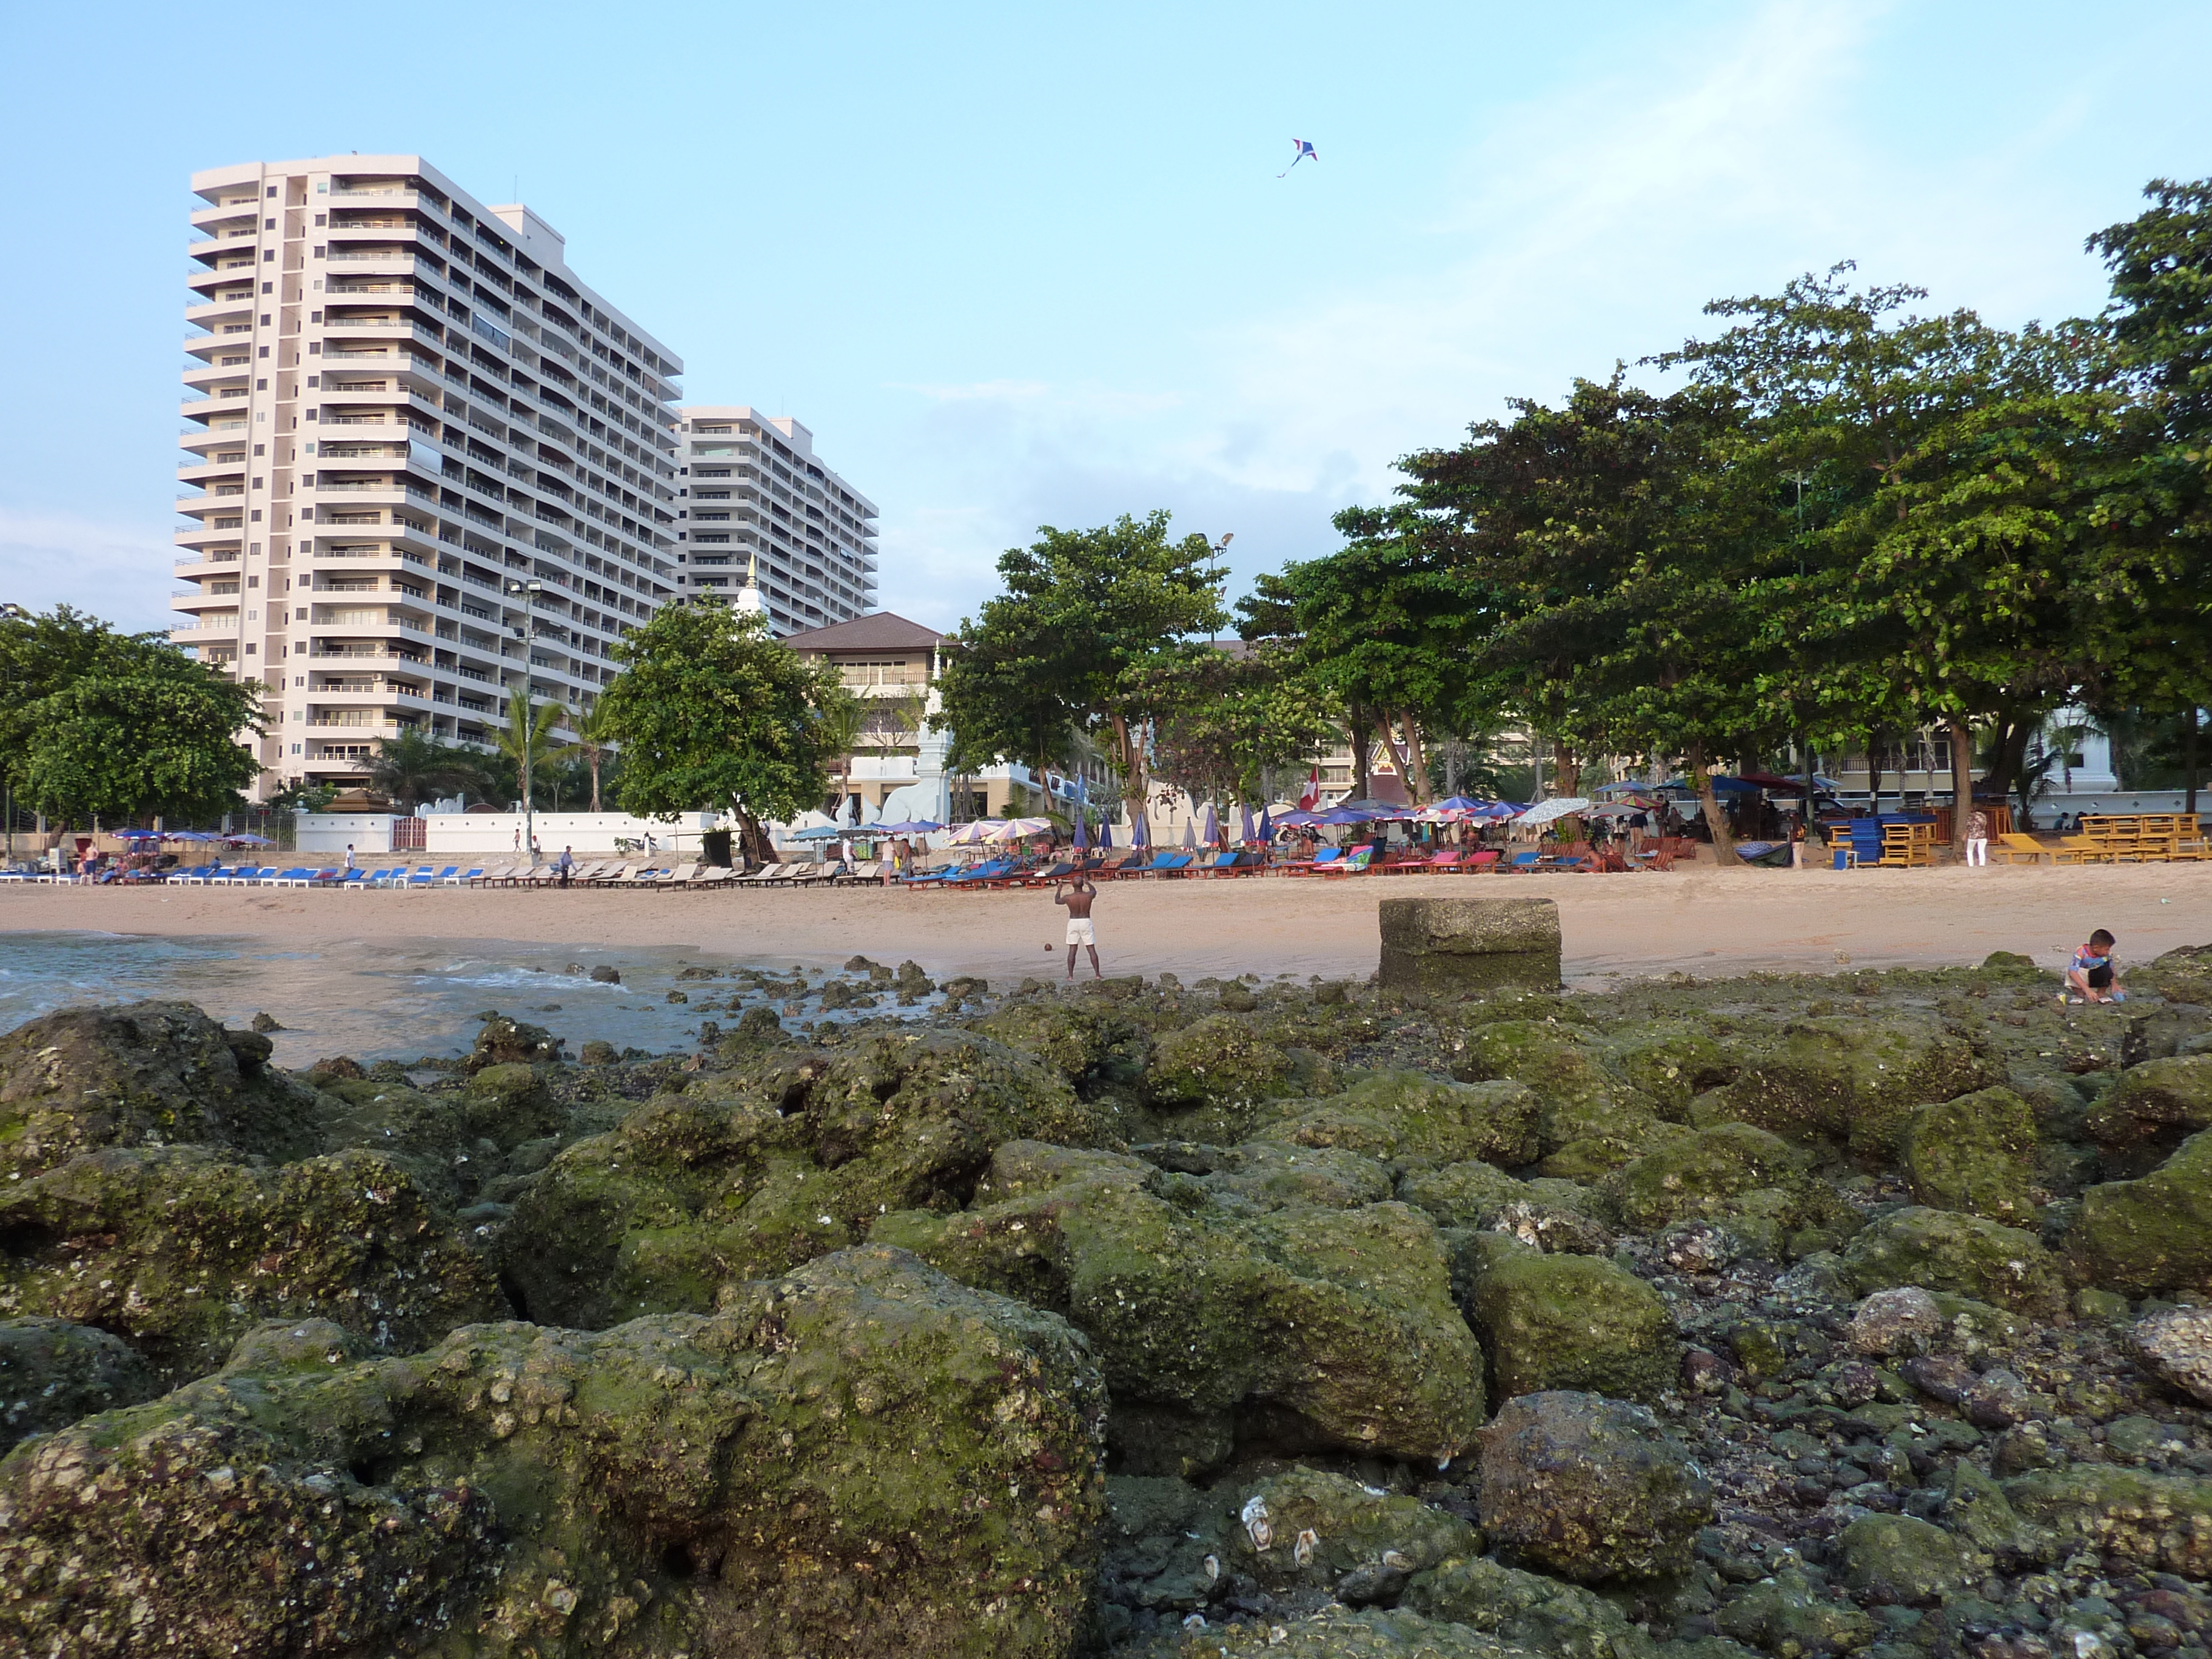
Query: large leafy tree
x,y
1085,637
119,725
1236,716
712,712
2149,616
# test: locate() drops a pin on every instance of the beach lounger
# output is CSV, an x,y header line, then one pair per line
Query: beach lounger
x,y
604,875
1483,860
869,871
295,877
2015,849
1318,862
1355,865
425,877
715,875
676,875
763,876
456,876
184,878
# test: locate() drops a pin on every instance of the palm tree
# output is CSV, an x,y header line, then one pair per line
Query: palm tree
x,y
413,766
844,719
594,738
528,736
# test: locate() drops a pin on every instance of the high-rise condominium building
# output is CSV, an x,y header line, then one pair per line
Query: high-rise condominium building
x,y
432,466
758,499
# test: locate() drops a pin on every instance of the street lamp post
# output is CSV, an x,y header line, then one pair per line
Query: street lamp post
x,y
528,725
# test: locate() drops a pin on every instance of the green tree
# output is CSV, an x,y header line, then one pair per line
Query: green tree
x,y
1078,639
592,742
527,740
2151,627
119,726
709,710
415,766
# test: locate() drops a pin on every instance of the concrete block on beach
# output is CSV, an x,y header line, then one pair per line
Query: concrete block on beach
x,y
1470,944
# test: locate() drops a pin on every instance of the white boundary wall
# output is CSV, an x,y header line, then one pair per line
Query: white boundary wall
x,y
500,832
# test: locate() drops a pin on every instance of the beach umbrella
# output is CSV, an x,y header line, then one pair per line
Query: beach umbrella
x,y
1141,834
1341,815
1105,836
1544,811
1212,826
1019,829
1189,833
977,830
907,827
1082,833
138,835
1457,803
249,841
1495,812
1245,808
1267,830
820,832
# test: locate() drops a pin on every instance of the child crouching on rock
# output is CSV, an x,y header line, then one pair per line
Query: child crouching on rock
x,y
2092,977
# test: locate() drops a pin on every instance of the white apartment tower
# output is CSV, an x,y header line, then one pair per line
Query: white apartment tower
x,y
433,467
758,502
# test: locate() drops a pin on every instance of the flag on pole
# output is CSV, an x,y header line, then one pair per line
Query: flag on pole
x,y
1300,151
1309,797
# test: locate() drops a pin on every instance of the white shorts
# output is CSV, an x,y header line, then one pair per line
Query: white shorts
x,y
1080,932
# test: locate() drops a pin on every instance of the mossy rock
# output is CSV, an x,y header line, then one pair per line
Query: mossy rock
x,y
2136,1521
53,1371
1309,1530
2158,1100
1266,1175
1334,1632
1669,1063
1579,1101
1472,1194
1342,1317
1844,1083
1527,1609
142,1074
2150,1233
799,1472
1903,1558
2184,974
504,1041
1218,1061
1789,1615
1564,1321
510,1103
1939,1250
180,1251
1411,1118
1703,1174
791,1157
1980,1154
1590,1489
1083,1043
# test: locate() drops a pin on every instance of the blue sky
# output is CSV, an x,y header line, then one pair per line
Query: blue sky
x,y
1027,265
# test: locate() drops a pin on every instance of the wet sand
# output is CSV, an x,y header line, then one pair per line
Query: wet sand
x,y
1698,919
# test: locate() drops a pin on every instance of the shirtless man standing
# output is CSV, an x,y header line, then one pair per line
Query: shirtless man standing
x,y
1077,897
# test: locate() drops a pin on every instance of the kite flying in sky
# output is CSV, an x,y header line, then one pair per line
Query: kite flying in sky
x,y
1304,149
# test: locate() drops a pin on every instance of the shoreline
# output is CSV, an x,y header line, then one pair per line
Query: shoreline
x,y
1704,921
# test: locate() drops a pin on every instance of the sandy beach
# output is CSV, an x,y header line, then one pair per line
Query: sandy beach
x,y
1697,920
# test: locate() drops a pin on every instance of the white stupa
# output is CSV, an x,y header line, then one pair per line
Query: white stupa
x,y
748,596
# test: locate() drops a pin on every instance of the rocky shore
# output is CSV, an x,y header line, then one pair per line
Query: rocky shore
x,y
1799,1316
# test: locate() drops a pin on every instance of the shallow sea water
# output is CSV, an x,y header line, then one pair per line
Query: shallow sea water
x,y
422,999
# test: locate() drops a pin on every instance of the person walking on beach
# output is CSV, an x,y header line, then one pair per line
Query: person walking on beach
x,y
1076,896
1978,837
568,862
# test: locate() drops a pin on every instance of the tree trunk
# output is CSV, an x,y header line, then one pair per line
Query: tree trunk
x,y
1417,762
1962,782
2189,759
753,839
1874,772
1702,780
1355,728
1566,769
593,760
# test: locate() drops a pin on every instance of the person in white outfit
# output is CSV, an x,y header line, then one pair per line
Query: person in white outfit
x,y
1978,837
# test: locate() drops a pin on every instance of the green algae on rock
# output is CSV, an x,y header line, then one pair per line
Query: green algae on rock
x,y
1564,1321
1979,1154
1406,1118
861,1458
180,1251
142,1074
2153,1233
1342,1316
1528,1609
1939,1250
1590,1489
1314,1529
789,1158
2134,1520
53,1372
1850,1084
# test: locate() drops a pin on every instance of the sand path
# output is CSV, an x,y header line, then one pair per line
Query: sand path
x,y
1699,919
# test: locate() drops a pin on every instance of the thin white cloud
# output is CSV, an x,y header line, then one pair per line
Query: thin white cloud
x,y
115,570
